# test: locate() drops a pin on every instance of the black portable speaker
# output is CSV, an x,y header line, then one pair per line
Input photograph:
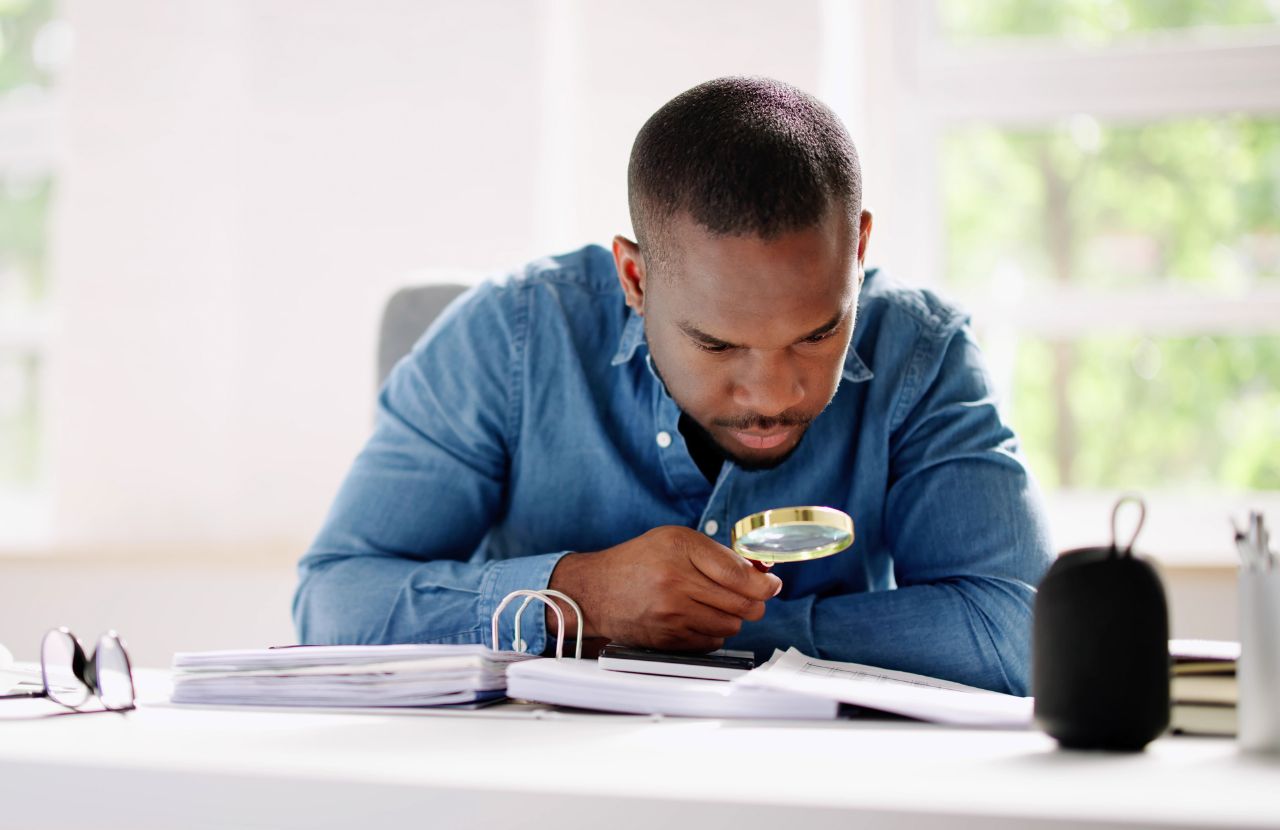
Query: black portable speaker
x,y
1100,658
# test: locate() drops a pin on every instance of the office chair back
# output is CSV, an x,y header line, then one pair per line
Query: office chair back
x,y
407,315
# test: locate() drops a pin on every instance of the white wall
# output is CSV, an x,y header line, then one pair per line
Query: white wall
x,y
245,185
157,607
248,181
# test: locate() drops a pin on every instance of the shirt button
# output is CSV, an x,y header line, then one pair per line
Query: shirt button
x,y
712,527
664,439
520,645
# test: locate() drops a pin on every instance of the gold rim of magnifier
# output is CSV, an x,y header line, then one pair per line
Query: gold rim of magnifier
x,y
782,516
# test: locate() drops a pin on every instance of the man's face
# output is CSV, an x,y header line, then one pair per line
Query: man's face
x,y
749,335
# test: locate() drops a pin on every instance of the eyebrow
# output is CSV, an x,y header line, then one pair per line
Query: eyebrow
x,y
698,334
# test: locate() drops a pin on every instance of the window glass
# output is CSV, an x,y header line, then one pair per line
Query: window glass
x,y
1155,413
24,217
33,46
1191,202
19,420
31,42
1098,21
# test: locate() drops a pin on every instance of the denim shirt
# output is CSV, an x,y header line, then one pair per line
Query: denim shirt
x,y
527,422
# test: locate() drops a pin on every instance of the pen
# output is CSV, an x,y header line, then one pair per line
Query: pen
x,y
1242,548
1256,535
1253,543
1264,555
1261,540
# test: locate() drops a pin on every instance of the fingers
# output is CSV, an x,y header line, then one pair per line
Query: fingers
x,y
679,642
697,628
705,644
726,568
676,589
722,599
713,622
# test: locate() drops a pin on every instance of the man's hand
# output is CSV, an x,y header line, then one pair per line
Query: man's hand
x,y
672,588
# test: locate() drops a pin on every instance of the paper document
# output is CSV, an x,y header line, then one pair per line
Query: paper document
x,y
899,693
296,656
17,678
391,675
584,684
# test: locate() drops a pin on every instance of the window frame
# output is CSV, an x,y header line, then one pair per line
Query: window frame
x,y
31,140
929,85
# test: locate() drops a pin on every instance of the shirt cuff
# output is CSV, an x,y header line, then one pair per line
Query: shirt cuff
x,y
503,577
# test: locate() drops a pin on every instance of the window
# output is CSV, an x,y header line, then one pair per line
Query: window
x,y
33,44
1106,189
1097,22
1122,222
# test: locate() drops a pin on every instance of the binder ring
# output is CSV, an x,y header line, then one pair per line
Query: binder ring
x,y
543,594
545,597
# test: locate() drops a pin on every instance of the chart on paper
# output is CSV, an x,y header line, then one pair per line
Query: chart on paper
x,y
853,671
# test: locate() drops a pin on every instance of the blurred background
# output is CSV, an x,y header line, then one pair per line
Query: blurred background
x,y
204,206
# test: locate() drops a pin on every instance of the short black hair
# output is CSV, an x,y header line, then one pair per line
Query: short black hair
x,y
742,156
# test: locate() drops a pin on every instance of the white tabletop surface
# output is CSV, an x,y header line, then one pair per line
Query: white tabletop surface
x,y
167,766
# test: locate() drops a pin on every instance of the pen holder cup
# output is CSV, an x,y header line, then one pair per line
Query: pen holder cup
x,y
1259,669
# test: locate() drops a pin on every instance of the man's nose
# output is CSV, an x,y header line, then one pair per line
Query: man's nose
x,y
769,385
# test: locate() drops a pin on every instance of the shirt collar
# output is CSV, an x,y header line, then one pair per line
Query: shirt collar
x,y
855,371
632,338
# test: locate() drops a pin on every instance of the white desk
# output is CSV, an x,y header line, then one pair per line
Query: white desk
x,y
170,767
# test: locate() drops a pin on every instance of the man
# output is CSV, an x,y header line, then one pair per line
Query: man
x,y
596,424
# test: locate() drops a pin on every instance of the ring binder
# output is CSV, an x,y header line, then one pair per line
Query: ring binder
x,y
544,596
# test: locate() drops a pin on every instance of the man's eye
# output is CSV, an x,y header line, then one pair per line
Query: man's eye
x,y
713,348
818,338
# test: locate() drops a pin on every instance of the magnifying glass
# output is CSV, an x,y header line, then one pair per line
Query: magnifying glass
x,y
792,534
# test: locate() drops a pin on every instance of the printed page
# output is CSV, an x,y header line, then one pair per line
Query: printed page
x,y
900,693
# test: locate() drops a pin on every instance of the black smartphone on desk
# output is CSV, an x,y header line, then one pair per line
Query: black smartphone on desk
x,y
718,665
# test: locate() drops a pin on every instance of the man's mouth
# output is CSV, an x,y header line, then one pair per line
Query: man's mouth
x,y
765,439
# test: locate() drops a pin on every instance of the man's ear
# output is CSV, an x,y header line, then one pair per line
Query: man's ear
x,y
864,236
631,272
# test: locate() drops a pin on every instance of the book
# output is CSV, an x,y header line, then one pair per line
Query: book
x,y
382,675
1204,671
1204,688
584,684
1204,656
1203,719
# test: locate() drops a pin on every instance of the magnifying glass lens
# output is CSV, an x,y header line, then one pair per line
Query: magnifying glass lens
x,y
792,534
791,539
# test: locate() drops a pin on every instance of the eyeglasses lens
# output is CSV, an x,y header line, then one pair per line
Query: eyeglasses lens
x,y
115,685
58,656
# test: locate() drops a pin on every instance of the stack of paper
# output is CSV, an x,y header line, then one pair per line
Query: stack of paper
x,y
394,675
17,679
584,684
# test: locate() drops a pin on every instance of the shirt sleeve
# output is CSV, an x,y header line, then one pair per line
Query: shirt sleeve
x,y
966,529
396,559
